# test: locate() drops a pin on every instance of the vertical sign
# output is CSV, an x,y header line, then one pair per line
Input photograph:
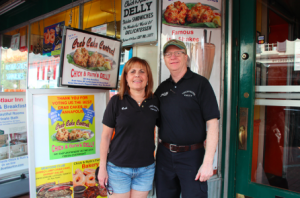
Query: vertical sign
x,y
139,21
297,56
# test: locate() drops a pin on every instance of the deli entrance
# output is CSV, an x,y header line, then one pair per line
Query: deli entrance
x,y
267,99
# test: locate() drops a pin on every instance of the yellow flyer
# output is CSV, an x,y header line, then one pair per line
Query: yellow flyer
x,y
54,181
84,179
71,126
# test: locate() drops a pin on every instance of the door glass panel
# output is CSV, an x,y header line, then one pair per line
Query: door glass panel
x,y
276,126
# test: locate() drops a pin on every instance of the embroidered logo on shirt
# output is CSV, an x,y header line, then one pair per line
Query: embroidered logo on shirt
x,y
124,108
164,94
153,108
188,93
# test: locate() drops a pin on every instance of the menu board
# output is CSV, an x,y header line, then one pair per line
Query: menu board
x,y
89,59
13,133
199,27
64,140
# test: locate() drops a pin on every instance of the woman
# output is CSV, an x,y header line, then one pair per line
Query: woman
x,y
127,161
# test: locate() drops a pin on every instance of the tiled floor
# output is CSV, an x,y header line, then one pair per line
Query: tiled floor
x,y
23,196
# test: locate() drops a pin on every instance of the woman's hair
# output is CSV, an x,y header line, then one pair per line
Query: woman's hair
x,y
123,83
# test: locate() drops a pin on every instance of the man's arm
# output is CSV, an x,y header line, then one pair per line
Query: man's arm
x,y
206,169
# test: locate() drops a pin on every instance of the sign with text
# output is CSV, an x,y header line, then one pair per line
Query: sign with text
x,y
139,21
89,59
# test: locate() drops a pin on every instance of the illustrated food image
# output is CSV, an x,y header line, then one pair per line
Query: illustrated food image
x,y
51,190
49,36
176,13
64,135
87,177
81,56
184,14
200,14
91,60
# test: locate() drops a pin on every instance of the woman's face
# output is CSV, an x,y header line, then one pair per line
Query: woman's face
x,y
137,77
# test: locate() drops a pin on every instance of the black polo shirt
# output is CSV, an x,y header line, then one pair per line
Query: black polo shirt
x,y
133,143
185,107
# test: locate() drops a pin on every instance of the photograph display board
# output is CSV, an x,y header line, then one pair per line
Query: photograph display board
x,y
89,59
65,135
13,133
139,21
201,34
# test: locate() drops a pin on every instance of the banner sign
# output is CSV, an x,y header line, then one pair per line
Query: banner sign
x,y
13,136
90,60
139,21
201,33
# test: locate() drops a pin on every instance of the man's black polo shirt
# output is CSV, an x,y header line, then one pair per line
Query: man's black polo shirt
x,y
133,143
185,107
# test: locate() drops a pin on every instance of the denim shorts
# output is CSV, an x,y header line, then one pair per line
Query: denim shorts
x,y
123,179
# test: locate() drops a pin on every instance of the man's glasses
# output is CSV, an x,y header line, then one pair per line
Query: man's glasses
x,y
177,53
108,189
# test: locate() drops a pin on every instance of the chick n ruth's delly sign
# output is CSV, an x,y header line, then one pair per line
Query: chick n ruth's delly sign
x,y
139,21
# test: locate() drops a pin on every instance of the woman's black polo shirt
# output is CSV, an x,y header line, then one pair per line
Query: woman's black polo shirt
x,y
185,107
133,143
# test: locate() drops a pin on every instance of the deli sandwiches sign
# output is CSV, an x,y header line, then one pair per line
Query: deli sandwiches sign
x,y
139,21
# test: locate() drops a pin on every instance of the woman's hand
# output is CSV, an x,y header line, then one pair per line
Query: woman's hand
x,y
102,177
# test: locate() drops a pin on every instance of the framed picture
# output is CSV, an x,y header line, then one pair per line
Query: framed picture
x,y
89,60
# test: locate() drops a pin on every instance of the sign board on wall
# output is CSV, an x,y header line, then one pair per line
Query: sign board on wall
x,y
53,39
89,59
15,42
139,21
13,133
201,35
64,139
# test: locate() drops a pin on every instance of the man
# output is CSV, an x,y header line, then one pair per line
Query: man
x,y
188,110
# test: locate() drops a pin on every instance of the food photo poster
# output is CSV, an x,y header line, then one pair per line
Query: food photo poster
x,y
89,59
197,23
71,126
53,39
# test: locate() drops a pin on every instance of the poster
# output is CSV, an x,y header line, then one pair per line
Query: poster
x,y
53,39
297,56
90,60
198,25
101,29
71,122
13,134
15,41
139,21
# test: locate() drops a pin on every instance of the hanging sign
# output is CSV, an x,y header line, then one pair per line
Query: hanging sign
x,y
139,21
53,38
15,42
89,59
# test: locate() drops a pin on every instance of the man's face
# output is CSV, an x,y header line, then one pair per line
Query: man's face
x,y
175,63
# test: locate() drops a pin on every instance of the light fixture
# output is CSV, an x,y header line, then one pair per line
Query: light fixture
x,y
9,5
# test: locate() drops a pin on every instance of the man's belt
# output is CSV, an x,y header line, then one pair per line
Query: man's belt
x,y
182,148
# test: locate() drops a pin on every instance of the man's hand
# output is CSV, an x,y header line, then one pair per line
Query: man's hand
x,y
204,173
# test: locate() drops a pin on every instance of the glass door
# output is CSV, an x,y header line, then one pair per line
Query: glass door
x,y
268,134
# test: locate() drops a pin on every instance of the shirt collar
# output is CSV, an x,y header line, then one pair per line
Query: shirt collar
x,y
187,75
127,94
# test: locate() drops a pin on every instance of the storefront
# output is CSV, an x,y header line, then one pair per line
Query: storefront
x,y
247,49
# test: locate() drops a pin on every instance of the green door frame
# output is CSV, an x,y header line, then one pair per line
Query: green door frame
x,y
242,78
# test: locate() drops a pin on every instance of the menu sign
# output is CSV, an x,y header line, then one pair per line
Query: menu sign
x,y
139,21
90,60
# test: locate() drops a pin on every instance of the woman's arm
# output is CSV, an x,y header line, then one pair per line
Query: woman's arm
x,y
104,145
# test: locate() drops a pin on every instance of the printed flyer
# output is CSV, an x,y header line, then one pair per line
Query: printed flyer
x,y
90,59
53,39
197,23
84,179
13,134
139,21
71,126
77,179
54,181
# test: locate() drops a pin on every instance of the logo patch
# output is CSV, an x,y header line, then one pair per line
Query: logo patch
x,y
164,94
153,108
124,108
188,93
